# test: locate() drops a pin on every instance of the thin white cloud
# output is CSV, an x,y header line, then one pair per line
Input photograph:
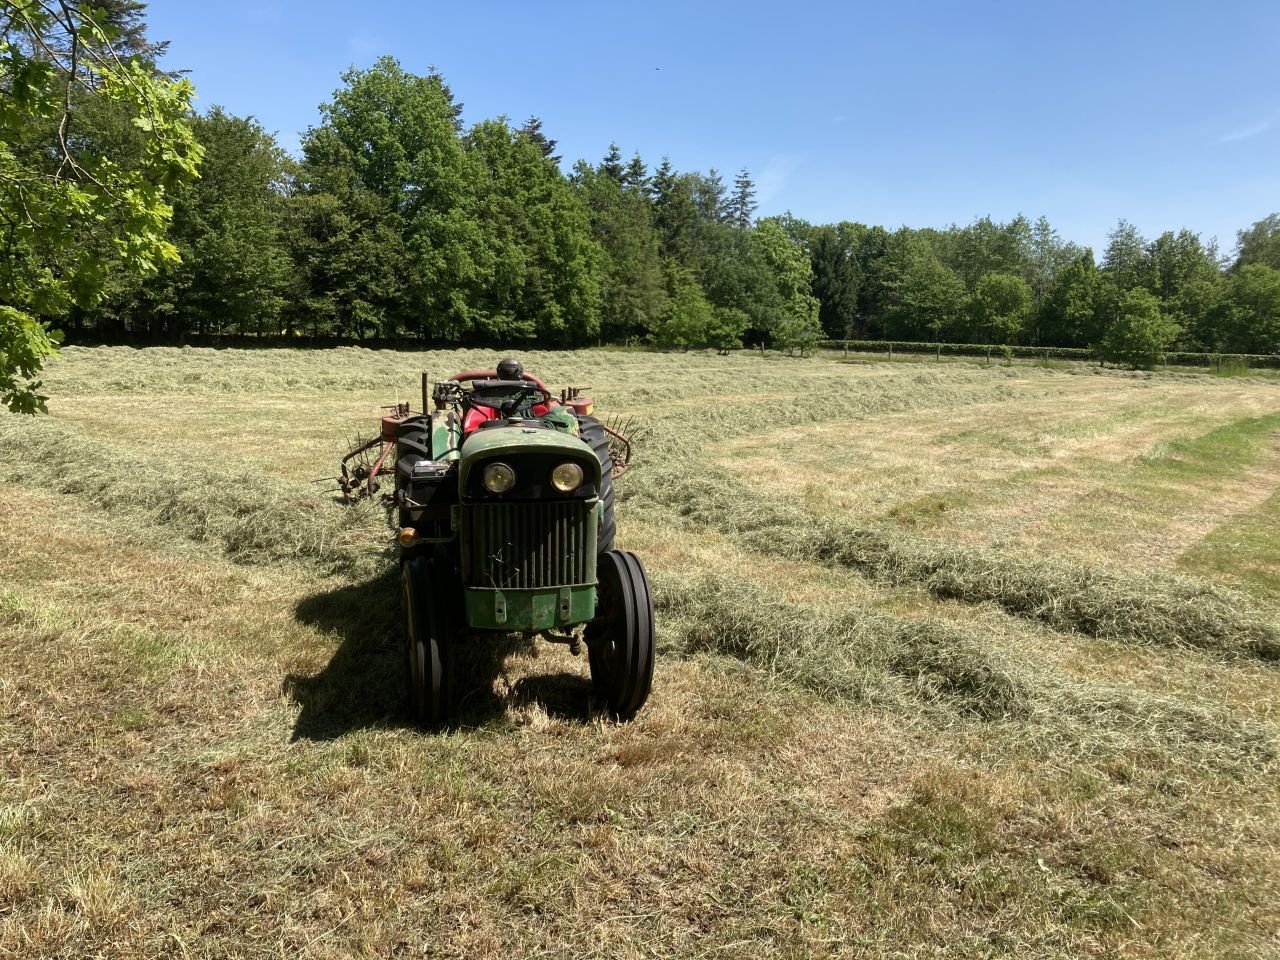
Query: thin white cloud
x,y
772,180
1245,133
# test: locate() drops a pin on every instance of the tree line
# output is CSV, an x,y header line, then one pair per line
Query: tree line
x,y
397,220
1020,283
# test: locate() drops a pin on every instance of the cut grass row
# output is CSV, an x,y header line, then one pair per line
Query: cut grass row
x,y
875,658
937,667
162,812
251,517
248,516
902,787
1148,609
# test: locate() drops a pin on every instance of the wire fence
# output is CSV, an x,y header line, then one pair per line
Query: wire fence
x,y
990,352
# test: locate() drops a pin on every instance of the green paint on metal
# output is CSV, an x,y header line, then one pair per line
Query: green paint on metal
x,y
444,437
541,609
510,441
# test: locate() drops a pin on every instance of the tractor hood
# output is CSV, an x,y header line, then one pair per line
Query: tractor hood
x,y
525,442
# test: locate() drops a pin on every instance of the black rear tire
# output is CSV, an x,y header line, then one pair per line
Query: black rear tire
x,y
592,431
620,641
429,599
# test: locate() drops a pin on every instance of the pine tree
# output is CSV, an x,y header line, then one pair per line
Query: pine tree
x,y
533,130
742,205
611,165
709,196
128,17
663,182
636,176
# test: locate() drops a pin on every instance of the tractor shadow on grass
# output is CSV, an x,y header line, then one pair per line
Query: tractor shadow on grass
x,y
363,684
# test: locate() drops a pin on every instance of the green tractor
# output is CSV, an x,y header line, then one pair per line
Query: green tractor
x,y
504,497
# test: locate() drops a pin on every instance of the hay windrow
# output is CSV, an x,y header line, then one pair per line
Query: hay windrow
x,y
1166,610
852,655
251,517
939,668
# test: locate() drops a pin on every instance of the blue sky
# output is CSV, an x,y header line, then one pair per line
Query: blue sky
x,y
916,113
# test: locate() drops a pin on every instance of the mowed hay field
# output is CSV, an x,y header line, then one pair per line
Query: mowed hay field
x,y
955,660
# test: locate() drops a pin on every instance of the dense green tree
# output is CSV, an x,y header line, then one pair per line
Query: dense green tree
x,y
611,166
235,271
544,279
728,324
351,266
1125,259
1000,307
389,150
532,128
1071,309
73,216
1047,255
837,276
870,244
735,273
675,213
922,297
708,195
634,285
636,176
1139,333
689,321
795,324
1250,316
1260,244
983,247
1187,277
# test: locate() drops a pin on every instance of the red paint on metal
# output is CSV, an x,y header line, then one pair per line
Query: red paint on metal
x,y
389,424
476,416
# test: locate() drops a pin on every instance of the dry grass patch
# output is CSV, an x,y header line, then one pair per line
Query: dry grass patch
x,y
1033,472
1102,603
205,755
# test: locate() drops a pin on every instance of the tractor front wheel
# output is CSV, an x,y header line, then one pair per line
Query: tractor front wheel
x,y
620,640
429,627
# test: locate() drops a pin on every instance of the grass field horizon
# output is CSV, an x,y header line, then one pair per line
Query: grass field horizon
x,y
954,658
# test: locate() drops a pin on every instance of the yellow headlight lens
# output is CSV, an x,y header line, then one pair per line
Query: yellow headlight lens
x,y
499,478
567,477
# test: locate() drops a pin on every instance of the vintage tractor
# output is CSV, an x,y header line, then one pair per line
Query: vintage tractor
x,y
504,500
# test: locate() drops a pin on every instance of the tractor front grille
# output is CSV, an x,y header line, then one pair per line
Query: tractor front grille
x,y
524,545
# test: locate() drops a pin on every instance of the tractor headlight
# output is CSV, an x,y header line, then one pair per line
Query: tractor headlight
x,y
567,477
499,478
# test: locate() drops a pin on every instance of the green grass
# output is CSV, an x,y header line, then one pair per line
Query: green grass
x,y
1243,552
869,735
1219,452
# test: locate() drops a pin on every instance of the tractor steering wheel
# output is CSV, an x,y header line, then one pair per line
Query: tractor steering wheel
x,y
466,376
505,405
